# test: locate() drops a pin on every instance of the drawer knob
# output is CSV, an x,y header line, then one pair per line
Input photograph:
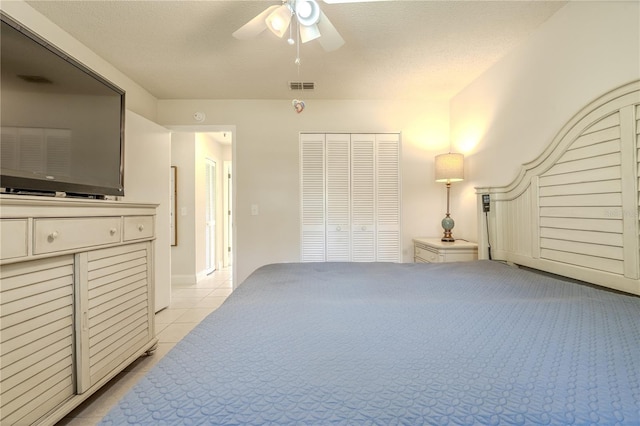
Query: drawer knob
x,y
141,227
338,228
52,236
113,231
364,228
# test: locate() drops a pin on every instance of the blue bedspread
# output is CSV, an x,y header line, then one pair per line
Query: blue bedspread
x,y
410,344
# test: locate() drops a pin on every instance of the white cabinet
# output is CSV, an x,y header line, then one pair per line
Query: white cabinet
x,y
350,194
76,300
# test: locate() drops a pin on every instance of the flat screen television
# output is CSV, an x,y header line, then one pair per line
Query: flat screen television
x,y
62,124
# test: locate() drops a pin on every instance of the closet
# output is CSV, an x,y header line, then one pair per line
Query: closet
x,y
350,197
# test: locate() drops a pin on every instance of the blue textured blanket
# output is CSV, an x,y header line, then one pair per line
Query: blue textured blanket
x,y
370,343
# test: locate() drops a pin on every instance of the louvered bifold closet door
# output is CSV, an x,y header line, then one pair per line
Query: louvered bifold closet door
x,y
312,197
388,198
363,211
116,316
338,196
36,338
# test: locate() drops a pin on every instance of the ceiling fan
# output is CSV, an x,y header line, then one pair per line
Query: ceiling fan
x,y
312,23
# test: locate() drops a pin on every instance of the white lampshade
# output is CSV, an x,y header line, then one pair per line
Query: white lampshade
x,y
278,21
449,167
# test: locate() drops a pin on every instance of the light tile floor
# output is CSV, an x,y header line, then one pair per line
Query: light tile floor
x,y
189,305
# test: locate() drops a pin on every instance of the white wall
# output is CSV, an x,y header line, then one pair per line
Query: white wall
x,y
138,99
183,156
508,115
266,164
146,179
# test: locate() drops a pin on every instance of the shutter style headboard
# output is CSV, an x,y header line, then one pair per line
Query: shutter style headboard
x,y
573,211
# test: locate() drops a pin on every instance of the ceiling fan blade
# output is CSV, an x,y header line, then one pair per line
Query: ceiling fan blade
x,y
330,38
254,26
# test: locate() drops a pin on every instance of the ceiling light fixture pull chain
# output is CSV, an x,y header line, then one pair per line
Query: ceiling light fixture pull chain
x,y
298,104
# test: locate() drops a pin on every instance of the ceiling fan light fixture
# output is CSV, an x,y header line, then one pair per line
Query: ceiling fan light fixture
x,y
307,12
308,33
278,21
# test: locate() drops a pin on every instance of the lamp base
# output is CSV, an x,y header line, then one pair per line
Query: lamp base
x,y
447,224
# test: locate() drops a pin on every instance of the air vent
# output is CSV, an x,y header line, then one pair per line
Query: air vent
x,y
301,85
38,79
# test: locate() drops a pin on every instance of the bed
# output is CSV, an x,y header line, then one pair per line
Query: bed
x,y
357,343
517,339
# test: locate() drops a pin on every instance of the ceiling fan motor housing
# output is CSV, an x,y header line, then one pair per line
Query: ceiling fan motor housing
x,y
307,12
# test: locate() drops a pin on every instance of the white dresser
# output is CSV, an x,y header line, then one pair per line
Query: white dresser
x,y
433,250
76,300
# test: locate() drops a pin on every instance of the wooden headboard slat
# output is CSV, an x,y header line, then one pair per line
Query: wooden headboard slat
x,y
573,211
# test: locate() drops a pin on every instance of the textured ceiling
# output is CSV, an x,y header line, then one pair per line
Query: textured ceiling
x,y
393,50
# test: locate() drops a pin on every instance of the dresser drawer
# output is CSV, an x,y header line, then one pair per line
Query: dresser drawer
x,y
51,235
138,227
13,238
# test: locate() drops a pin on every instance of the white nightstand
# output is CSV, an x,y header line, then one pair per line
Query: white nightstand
x,y
432,250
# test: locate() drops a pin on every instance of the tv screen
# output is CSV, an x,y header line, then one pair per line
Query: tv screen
x,y
62,124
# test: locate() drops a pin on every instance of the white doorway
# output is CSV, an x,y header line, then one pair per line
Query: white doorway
x,y
210,215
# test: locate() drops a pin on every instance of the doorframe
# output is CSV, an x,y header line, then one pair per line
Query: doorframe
x,y
227,191
212,204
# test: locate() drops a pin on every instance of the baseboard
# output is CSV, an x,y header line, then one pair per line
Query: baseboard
x,y
179,280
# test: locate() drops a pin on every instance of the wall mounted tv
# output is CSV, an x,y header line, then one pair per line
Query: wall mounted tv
x,y
62,124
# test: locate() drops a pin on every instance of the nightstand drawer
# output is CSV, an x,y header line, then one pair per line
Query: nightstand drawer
x,y
51,235
137,227
426,254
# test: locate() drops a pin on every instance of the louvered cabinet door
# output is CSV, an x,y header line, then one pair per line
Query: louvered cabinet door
x,y
363,211
114,308
388,198
312,196
36,336
338,196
